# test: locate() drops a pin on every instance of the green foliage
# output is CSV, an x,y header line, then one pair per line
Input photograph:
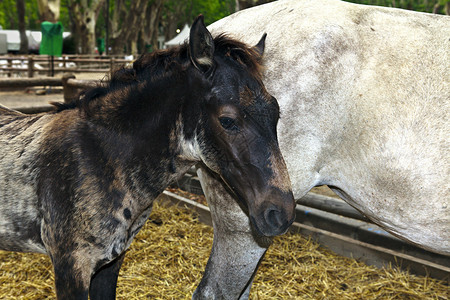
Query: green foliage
x,y
213,10
9,17
8,14
63,14
187,10
32,15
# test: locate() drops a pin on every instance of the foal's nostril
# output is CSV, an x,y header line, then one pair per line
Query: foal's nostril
x,y
274,218
274,222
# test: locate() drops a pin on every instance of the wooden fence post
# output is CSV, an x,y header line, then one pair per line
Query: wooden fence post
x,y
30,66
70,92
10,66
111,64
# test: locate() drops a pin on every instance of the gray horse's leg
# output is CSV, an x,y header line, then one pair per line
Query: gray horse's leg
x,y
104,282
236,251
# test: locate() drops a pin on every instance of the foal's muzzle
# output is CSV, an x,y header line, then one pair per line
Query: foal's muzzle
x,y
275,218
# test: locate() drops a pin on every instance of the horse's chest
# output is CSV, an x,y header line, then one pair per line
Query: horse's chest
x,y
138,223
124,235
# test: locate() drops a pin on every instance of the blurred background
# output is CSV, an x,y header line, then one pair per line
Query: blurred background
x,y
130,27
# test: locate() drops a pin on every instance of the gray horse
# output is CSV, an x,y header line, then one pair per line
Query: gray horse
x,y
364,95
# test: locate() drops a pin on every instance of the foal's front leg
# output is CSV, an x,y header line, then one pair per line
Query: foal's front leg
x,y
72,263
75,261
71,281
74,279
104,282
236,251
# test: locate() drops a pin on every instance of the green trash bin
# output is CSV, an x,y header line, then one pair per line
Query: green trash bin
x,y
51,42
52,38
101,45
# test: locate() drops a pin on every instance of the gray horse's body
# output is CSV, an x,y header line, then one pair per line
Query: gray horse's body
x,y
364,94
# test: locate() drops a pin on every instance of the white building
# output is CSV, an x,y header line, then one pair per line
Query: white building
x,y
13,40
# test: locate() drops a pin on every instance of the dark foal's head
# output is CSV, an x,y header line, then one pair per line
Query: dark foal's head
x,y
236,135
207,101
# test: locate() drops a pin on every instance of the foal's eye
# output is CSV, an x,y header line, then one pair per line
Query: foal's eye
x,y
228,123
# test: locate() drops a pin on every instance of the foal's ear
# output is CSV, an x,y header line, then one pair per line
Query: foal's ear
x,y
201,46
261,44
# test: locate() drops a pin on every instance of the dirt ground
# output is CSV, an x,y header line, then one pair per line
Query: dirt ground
x,y
21,99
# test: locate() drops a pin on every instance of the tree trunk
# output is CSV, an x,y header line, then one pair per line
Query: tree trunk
x,y
176,15
436,8
88,32
84,17
49,10
114,26
125,25
23,35
75,30
149,33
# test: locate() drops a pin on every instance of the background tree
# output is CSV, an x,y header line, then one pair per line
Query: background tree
x,y
140,22
20,4
148,38
49,10
177,13
134,25
126,23
83,16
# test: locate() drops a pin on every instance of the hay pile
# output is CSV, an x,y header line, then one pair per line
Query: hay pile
x,y
167,258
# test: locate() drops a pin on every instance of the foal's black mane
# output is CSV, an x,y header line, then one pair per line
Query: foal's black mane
x,y
163,64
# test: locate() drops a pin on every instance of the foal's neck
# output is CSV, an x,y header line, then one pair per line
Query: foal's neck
x,y
149,158
142,132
